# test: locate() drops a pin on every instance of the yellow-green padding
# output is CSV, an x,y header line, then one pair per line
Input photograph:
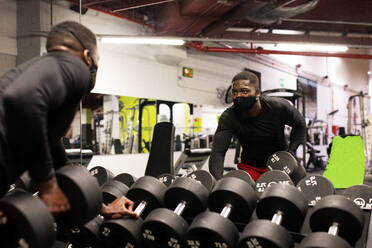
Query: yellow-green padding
x,y
346,162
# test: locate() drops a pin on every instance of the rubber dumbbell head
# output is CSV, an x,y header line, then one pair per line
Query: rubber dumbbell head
x,y
315,187
286,162
235,200
361,195
87,235
281,207
112,190
147,193
270,178
167,178
337,218
31,221
126,178
204,177
166,228
101,174
242,175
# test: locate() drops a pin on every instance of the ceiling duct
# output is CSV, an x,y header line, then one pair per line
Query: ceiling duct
x,y
271,13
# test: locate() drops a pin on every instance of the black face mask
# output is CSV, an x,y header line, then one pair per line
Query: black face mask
x,y
244,104
93,74
93,68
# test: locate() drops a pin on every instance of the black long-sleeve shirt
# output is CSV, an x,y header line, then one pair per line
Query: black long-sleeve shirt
x,y
260,136
38,101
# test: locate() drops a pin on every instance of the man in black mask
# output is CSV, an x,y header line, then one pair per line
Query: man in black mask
x,y
258,122
38,101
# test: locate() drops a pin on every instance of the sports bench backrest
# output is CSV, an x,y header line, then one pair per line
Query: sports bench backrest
x,y
162,148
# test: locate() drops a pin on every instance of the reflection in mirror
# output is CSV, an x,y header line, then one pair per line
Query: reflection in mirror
x,y
124,125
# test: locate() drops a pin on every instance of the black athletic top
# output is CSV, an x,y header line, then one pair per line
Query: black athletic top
x,y
260,136
38,101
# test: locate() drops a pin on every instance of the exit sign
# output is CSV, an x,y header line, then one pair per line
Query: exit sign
x,y
187,72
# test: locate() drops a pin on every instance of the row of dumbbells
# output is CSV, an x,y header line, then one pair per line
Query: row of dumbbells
x,y
235,200
84,193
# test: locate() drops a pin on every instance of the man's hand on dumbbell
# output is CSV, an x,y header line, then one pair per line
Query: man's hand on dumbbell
x,y
53,197
119,207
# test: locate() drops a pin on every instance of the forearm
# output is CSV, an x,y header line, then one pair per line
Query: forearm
x,y
216,164
297,137
221,142
59,154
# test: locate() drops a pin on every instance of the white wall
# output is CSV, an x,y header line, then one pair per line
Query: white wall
x,y
8,34
134,71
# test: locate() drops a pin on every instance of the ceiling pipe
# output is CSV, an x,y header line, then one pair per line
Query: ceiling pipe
x,y
270,13
327,22
141,5
109,12
96,2
199,46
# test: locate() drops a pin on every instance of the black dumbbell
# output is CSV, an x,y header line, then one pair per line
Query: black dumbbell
x,y
280,207
242,175
167,228
125,178
167,178
361,195
87,235
340,217
204,177
271,178
147,193
61,244
315,187
284,161
24,182
235,201
112,190
101,174
30,219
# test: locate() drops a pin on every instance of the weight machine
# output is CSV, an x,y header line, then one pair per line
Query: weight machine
x,y
358,123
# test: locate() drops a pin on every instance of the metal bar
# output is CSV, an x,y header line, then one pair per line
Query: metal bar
x,y
277,218
226,211
137,6
139,209
328,22
333,230
180,207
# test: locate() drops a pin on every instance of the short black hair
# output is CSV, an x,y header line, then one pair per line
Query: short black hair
x,y
246,75
63,34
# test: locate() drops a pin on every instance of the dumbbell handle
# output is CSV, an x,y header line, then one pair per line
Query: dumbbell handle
x,y
333,230
139,209
226,211
180,207
277,218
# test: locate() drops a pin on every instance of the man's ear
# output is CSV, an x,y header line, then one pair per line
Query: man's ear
x,y
258,93
87,58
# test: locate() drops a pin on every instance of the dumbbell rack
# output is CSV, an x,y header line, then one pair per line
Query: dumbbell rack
x,y
365,240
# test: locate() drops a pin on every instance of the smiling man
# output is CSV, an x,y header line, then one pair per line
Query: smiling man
x,y
258,122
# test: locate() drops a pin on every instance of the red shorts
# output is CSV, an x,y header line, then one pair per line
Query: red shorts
x,y
251,170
